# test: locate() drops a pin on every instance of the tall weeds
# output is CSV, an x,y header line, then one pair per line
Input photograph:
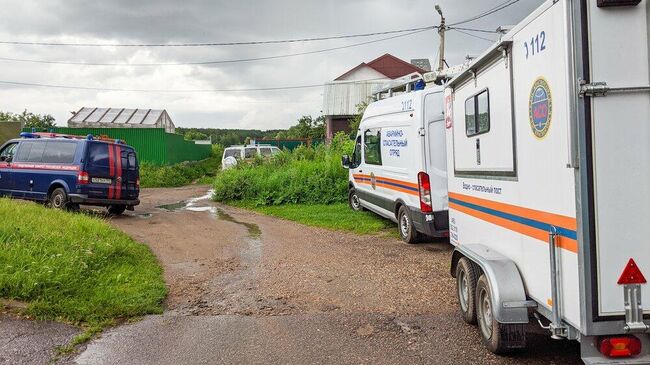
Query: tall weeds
x,y
305,175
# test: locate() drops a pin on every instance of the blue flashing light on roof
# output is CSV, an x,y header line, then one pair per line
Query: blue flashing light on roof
x,y
89,137
29,135
420,85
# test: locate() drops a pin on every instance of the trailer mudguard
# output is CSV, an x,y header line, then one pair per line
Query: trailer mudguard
x,y
508,294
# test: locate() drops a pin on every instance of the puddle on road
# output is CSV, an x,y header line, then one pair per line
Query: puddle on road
x,y
254,231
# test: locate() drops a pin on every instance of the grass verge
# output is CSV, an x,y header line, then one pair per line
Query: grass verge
x,y
75,268
336,216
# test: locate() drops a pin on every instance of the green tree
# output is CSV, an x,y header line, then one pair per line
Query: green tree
x,y
195,136
307,127
29,120
356,120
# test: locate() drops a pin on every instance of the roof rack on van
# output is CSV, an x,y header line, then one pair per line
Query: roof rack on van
x,y
89,137
411,82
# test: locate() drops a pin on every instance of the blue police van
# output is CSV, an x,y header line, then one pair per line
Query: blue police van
x,y
67,171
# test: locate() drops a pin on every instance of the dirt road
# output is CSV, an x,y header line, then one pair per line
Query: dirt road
x,y
246,288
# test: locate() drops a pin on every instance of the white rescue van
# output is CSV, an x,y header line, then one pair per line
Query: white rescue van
x,y
398,168
548,156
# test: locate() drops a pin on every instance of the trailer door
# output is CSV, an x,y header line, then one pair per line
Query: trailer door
x,y
620,123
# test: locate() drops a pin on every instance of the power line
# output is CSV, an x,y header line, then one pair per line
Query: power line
x,y
474,35
475,30
214,62
241,43
491,11
167,91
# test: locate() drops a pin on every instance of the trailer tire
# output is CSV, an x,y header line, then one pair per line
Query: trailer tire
x,y
499,338
466,277
354,201
407,230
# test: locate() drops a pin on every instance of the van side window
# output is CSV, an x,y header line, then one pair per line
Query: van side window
x,y
233,152
356,155
59,152
265,151
8,152
250,152
477,114
30,151
372,146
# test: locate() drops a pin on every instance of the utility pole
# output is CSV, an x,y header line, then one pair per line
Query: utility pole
x,y
441,33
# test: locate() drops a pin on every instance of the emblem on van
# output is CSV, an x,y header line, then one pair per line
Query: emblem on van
x,y
540,108
373,181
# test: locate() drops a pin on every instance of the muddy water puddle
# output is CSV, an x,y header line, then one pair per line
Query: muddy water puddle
x,y
226,293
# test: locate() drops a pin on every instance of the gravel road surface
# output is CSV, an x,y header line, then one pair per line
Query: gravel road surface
x,y
247,288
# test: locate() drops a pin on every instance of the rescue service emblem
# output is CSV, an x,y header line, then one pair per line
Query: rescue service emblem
x,y
540,108
373,181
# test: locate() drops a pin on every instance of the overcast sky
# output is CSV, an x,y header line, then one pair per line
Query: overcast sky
x,y
192,21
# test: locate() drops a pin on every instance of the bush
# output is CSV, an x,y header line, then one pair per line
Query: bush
x,y
152,176
306,175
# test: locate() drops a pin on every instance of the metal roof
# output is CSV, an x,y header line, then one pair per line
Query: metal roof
x,y
117,116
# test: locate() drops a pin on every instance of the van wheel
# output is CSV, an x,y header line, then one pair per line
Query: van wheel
x,y
466,277
58,199
116,209
407,230
498,337
354,201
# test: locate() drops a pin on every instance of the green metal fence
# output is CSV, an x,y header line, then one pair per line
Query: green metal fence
x,y
152,145
291,144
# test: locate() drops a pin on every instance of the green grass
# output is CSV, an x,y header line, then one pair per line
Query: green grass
x,y
203,172
75,268
337,216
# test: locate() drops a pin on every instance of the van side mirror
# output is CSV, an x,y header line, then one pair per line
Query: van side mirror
x,y
345,161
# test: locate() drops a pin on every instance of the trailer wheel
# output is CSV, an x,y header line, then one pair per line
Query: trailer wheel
x,y
407,230
354,201
499,338
466,277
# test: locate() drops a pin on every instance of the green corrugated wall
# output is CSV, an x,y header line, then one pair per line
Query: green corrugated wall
x,y
152,145
9,130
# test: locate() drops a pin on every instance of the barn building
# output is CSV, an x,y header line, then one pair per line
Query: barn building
x,y
121,118
341,96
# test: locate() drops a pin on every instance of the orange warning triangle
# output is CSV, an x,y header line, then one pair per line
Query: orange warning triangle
x,y
631,274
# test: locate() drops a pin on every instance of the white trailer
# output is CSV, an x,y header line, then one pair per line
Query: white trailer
x,y
548,156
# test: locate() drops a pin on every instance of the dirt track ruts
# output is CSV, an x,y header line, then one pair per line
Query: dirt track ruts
x,y
248,288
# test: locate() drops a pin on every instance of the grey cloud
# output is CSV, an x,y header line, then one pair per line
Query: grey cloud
x,y
130,21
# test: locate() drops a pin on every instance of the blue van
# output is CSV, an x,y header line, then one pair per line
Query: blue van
x,y
67,171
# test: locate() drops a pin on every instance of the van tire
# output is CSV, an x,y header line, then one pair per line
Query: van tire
x,y
58,199
405,226
466,277
499,338
354,201
116,209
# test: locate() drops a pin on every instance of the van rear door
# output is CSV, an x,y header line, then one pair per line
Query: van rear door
x,y
130,173
620,149
435,149
112,171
